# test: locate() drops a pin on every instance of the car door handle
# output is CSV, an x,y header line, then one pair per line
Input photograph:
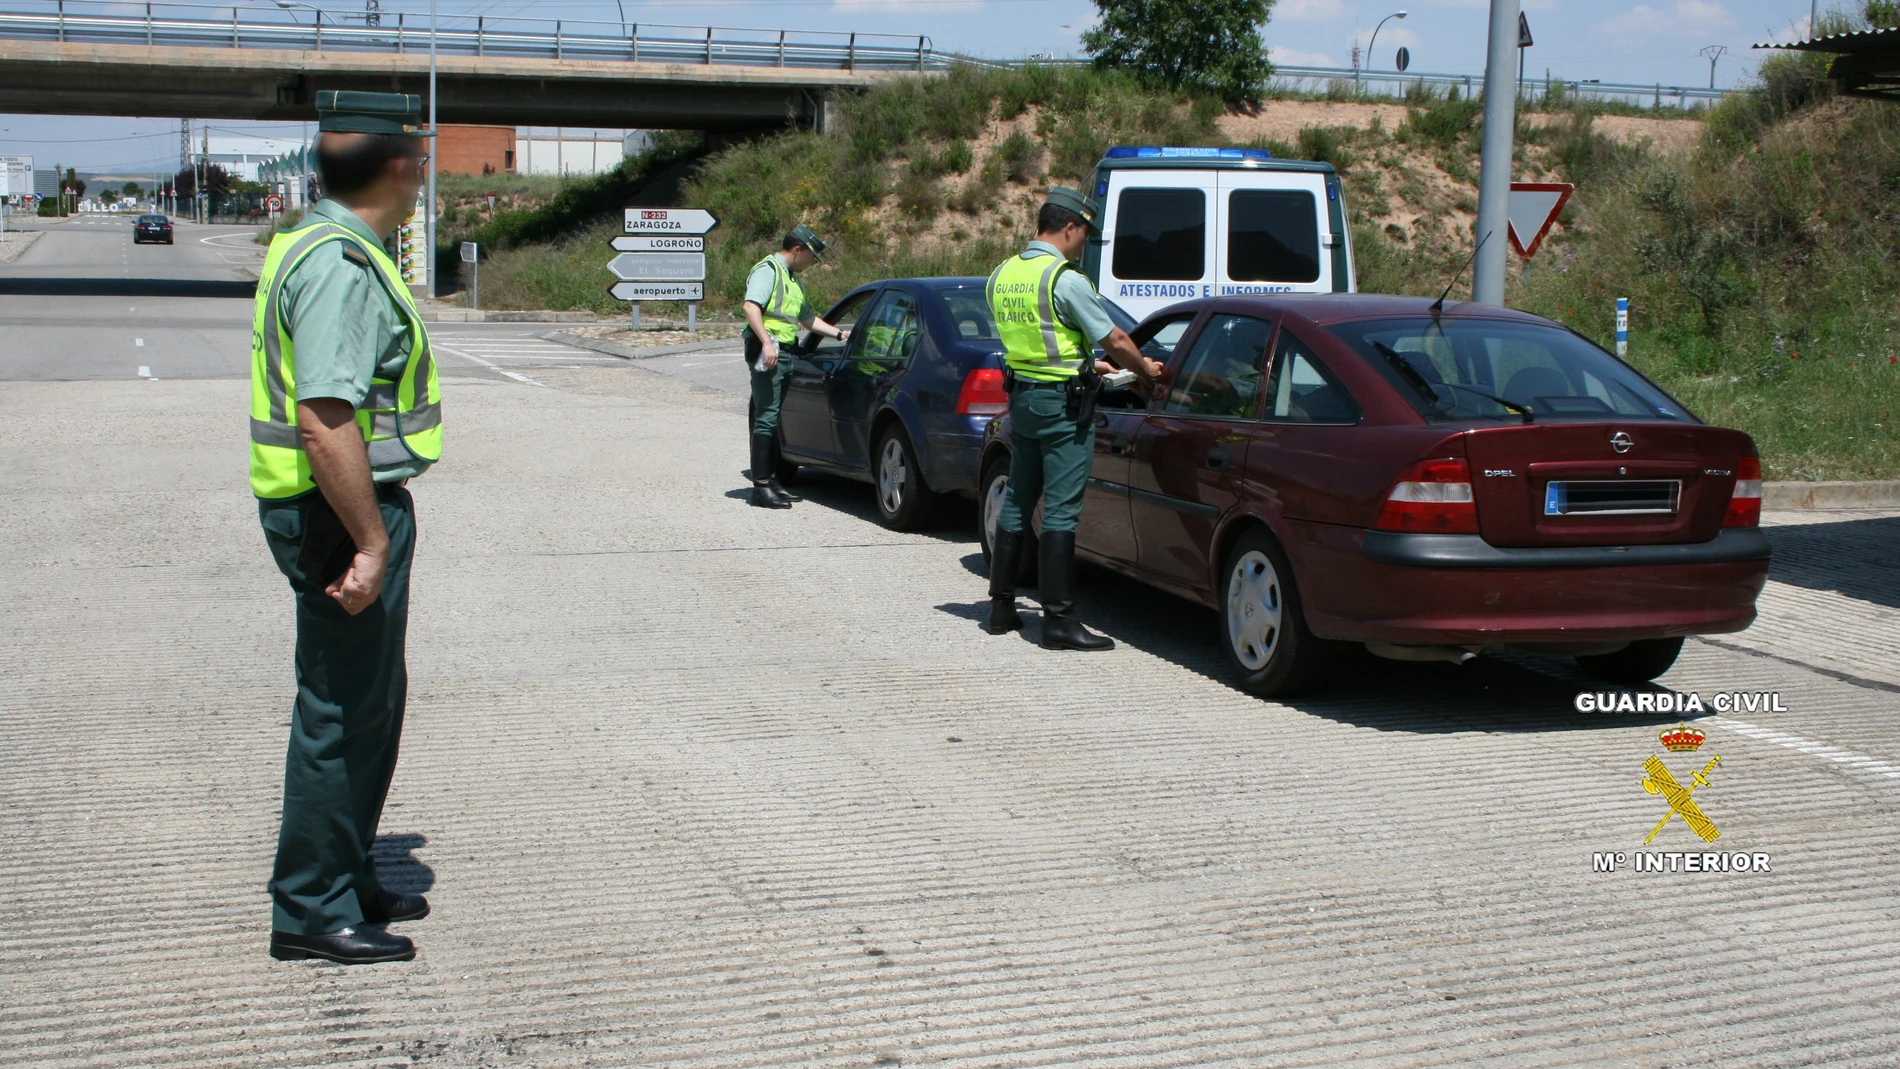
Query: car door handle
x,y
1217,459
1120,447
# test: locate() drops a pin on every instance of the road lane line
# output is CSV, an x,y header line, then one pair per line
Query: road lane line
x,y
1857,761
145,372
497,370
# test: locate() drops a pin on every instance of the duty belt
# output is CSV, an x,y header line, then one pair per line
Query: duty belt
x,y
1021,383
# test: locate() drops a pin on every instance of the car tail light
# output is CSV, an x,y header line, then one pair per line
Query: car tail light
x,y
983,393
1744,505
1433,497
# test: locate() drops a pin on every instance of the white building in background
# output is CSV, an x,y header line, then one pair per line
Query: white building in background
x,y
567,150
241,156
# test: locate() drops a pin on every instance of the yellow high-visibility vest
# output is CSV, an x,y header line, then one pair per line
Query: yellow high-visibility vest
x,y
787,300
1022,293
401,418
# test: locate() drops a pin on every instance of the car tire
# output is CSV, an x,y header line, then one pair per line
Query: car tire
x,y
991,486
1635,664
1262,625
904,501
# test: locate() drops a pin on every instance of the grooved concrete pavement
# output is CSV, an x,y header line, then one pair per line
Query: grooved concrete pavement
x,y
693,784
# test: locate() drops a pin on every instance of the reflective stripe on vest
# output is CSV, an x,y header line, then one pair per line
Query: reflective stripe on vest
x,y
400,418
788,297
1022,293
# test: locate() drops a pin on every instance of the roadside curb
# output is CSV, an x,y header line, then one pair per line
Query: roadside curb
x,y
1841,495
477,315
626,352
16,244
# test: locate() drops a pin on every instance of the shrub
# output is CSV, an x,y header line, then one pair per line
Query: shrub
x,y
1326,144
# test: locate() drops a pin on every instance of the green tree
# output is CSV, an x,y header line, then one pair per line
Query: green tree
x,y
132,189
1211,46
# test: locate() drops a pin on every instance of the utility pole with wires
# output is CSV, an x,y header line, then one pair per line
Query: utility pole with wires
x,y
1714,52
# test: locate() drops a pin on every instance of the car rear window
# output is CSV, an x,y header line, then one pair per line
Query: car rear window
x,y
969,311
1272,235
1161,234
1455,369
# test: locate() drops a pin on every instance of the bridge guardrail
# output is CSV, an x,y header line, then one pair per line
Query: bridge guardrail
x,y
312,28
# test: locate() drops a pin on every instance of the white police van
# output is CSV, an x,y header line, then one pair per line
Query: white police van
x,y
1179,223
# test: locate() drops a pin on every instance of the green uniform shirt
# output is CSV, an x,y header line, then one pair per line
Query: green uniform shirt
x,y
1076,303
758,290
344,325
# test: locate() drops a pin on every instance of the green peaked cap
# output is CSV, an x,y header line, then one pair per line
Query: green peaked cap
x,y
347,111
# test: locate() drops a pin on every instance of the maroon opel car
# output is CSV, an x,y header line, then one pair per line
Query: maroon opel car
x,y
1433,481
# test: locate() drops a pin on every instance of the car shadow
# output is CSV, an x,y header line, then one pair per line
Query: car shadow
x,y
1859,559
1503,693
125,287
953,520
397,866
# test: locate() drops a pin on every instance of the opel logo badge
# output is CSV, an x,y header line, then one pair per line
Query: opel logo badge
x,y
1621,441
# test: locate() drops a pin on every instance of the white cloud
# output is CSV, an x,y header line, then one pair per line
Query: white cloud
x,y
1293,57
933,7
1684,17
1310,11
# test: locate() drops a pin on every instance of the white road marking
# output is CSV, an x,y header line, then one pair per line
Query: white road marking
x,y
1859,762
140,342
249,240
487,364
145,372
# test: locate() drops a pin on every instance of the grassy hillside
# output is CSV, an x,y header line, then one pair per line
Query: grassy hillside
x,y
1757,248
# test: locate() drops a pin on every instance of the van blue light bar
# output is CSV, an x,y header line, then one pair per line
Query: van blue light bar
x,y
1144,152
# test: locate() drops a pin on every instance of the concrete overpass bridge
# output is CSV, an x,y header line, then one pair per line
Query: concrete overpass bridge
x,y
258,61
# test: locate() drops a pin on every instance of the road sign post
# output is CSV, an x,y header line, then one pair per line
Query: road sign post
x,y
16,179
471,255
662,257
1622,327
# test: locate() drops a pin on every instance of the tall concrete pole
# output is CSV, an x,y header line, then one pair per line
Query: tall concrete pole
x,y
1494,155
428,209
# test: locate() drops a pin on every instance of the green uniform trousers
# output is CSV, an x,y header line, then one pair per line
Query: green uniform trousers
x,y
1052,460
768,387
344,727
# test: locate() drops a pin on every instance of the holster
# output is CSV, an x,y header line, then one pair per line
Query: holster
x,y
1079,396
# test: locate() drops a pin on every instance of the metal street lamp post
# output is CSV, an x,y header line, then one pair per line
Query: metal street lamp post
x,y
1375,36
428,208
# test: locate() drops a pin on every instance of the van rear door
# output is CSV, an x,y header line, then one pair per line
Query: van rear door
x,y
1273,233
1158,244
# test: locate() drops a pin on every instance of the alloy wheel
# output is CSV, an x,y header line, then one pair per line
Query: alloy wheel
x,y
1254,610
893,475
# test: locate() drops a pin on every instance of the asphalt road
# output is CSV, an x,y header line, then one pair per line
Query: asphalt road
x,y
695,784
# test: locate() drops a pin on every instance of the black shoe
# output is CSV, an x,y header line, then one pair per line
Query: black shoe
x,y
779,489
763,497
356,945
1061,628
1006,550
388,907
765,493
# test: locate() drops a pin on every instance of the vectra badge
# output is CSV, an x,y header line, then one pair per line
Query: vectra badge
x,y
1621,441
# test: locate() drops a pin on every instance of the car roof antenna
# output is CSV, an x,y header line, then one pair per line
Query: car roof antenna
x,y
1439,304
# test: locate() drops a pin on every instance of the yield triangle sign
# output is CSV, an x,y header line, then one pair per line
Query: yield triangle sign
x,y
1532,208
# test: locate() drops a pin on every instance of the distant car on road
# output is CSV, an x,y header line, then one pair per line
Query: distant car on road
x,y
151,228
1433,483
904,404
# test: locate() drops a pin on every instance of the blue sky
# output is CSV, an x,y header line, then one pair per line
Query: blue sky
x,y
1611,40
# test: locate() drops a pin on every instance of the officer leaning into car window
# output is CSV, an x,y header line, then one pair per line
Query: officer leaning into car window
x,y
1047,314
775,307
345,410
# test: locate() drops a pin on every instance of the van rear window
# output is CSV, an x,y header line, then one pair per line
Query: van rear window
x,y
1272,236
1161,234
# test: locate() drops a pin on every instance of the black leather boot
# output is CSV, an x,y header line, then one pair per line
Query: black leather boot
x,y
763,496
1006,554
391,906
779,489
357,945
1061,629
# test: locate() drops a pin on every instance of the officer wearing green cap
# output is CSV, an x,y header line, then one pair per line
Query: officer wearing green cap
x,y
1047,315
345,410
775,307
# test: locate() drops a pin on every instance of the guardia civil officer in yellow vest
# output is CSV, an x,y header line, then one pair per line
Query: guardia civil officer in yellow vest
x,y
345,410
775,307
1047,314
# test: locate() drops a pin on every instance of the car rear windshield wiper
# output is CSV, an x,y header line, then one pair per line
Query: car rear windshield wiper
x,y
1426,387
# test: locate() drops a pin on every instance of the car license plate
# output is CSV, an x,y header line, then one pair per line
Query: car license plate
x,y
1633,497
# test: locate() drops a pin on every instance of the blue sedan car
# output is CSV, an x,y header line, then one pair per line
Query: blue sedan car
x,y
903,404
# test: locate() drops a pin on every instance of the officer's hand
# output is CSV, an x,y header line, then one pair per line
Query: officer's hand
x,y
1103,367
359,587
769,357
